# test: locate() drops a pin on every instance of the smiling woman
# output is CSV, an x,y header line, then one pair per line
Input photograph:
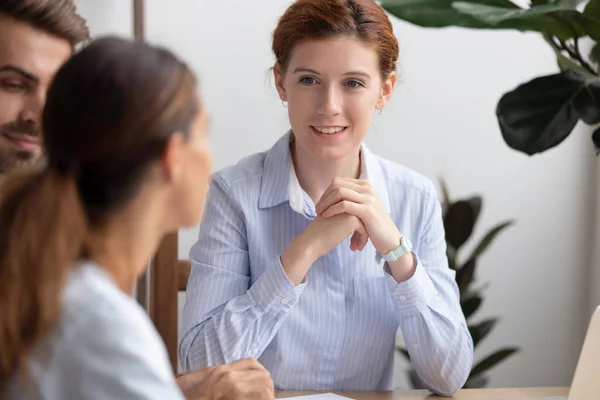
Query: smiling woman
x,y
312,254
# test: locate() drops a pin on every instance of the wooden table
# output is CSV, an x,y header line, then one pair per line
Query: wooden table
x,y
465,394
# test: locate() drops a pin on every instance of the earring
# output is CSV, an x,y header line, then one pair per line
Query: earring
x,y
379,107
284,103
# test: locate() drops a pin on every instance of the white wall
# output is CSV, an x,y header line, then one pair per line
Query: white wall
x,y
441,122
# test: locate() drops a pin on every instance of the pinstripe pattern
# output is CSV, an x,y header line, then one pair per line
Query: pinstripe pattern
x,y
337,330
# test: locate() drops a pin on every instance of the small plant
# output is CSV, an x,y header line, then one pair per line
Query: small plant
x,y
460,218
539,114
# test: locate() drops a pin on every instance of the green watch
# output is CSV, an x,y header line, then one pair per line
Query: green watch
x,y
405,247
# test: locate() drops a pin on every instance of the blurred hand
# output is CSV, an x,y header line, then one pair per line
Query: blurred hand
x,y
241,380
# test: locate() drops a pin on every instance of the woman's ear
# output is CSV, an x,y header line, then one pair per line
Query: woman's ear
x,y
172,160
388,88
279,76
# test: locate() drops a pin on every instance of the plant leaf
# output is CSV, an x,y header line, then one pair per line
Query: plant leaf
x,y
458,223
564,63
404,352
592,9
489,237
541,113
451,256
415,381
492,360
430,13
570,3
440,13
445,195
587,102
493,15
476,382
470,305
595,54
586,23
476,203
481,330
464,276
596,140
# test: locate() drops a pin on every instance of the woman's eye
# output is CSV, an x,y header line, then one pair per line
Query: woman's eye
x,y
354,84
307,80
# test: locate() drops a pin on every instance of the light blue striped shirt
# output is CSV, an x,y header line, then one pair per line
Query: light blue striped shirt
x,y
337,330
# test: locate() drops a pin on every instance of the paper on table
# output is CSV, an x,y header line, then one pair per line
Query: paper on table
x,y
323,396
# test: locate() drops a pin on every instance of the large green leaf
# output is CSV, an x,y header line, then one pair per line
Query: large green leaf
x,y
596,140
459,222
587,102
481,330
476,203
539,18
432,13
440,14
488,238
571,3
595,54
492,360
592,9
451,256
541,113
464,276
493,15
470,304
583,24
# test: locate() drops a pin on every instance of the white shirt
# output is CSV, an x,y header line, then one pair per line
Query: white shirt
x,y
102,347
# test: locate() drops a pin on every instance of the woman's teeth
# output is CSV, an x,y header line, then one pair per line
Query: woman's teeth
x,y
330,131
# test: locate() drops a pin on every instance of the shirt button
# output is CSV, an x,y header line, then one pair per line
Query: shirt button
x,y
284,301
402,298
254,351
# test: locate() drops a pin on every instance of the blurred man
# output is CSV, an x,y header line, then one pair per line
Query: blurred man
x,y
36,38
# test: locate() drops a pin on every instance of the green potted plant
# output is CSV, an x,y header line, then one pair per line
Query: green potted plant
x,y
460,218
539,114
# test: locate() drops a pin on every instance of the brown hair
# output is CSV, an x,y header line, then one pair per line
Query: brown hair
x,y
323,19
57,17
110,111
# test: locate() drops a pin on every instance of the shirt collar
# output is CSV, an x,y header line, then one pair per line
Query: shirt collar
x,y
280,183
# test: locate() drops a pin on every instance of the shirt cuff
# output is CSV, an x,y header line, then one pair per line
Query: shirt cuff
x,y
273,292
414,293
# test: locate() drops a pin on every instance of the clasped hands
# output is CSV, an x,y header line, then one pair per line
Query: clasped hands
x,y
347,207
355,202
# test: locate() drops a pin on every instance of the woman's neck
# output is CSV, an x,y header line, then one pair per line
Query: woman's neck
x,y
125,244
315,175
